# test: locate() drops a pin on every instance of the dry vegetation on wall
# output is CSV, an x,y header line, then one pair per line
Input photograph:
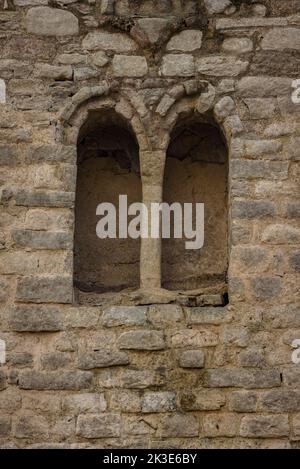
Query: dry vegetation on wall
x,y
145,344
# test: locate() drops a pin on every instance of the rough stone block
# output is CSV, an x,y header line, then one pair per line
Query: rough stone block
x,y
181,65
178,426
281,400
192,359
186,41
42,239
202,400
102,359
98,426
129,66
141,379
124,316
102,40
55,380
159,402
45,21
203,315
84,403
142,340
2,380
45,289
163,315
29,425
265,426
242,378
266,288
252,209
221,65
217,425
281,39
194,338
243,401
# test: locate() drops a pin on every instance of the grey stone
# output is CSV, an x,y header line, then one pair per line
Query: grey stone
x,y
8,155
55,72
31,426
242,378
202,400
154,28
55,360
281,39
261,108
282,316
51,154
224,108
20,359
259,169
243,401
250,22
101,40
291,376
124,316
208,315
35,319
186,41
281,400
281,234
142,340
252,358
181,65
42,239
10,401
259,87
45,289
252,209
236,336
192,359
221,65
294,262
102,359
5,426
45,21
100,59
162,315
237,45
216,6
29,198
159,402
129,66
55,380
265,426
266,288
85,73
98,426
2,380
178,426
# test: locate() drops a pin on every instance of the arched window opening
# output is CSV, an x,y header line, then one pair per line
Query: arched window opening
x,y
196,172
108,166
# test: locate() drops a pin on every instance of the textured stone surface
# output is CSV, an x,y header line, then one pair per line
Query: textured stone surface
x,y
192,359
55,380
221,66
186,41
159,402
116,42
178,65
129,66
264,426
124,316
98,426
36,319
45,21
45,289
241,377
142,340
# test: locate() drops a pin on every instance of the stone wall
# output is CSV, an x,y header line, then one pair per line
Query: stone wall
x,y
149,370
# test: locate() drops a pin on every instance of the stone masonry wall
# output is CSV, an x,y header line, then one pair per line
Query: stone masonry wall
x,y
145,373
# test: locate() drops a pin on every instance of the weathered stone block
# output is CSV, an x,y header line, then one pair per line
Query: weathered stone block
x,y
281,400
45,289
98,426
192,359
237,45
178,426
265,426
102,359
282,316
45,21
42,199
125,401
55,72
29,425
252,209
8,155
236,336
10,401
51,154
129,66
162,315
142,340
202,400
281,39
186,41
159,402
221,66
243,401
208,315
55,380
140,379
291,375
116,42
2,380
216,6
194,338
55,360
5,426
266,288
217,425
242,378
259,87
281,234
84,403
181,65
124,316
247,169
42,239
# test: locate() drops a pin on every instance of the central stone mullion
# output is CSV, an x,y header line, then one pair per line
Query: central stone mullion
x,y
152,171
